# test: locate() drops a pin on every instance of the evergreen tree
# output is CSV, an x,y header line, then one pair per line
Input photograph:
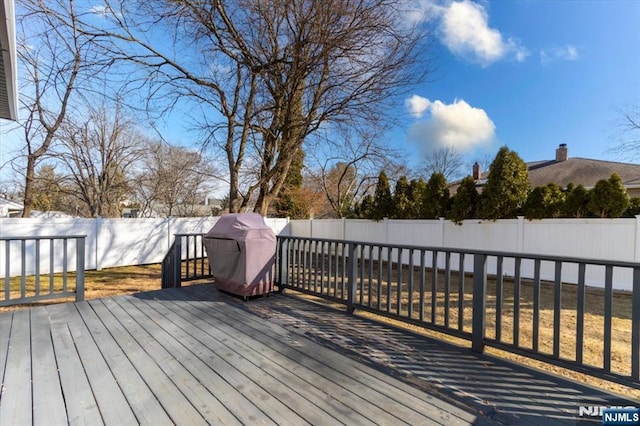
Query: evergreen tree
x,y
507,186
465,201
436,197
634,207
401,201
544,202
365,209
417,188
576,201
291,201
382,206
608,198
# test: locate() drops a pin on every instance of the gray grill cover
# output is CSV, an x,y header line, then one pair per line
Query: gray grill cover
x,y
241,250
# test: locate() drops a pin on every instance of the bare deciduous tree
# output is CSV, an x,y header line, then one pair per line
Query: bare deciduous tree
x,y
445,160
53,56
345,169
267,75
173,180
99,152
629,128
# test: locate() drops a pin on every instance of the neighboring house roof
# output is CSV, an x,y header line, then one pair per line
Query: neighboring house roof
x,y
583,171
7,207
564,170
8,64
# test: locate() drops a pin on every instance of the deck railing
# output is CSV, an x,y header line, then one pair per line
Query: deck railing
x,y
47,273
513,308
186,260
530,305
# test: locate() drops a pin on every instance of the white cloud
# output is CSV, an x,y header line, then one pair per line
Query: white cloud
x,y
417,105
565,53
465,31
457,125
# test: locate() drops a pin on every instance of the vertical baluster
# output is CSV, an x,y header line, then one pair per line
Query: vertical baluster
x,y
370,275
536,305
344,270
389,253
7,270
187,247
580,302
79,269
361,279
499,284
399,284
410,289
23,268
65,264
635,326
379,287
315,267
422,282
322,258
434,287
447,286
557,308
51,265
608,314
461,277
516,301
37,265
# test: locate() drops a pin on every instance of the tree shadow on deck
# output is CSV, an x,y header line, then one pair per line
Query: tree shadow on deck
x,y
494,389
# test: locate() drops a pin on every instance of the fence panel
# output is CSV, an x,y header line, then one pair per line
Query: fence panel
x,y
109,242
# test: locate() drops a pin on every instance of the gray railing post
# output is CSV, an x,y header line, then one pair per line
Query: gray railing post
x,y
479,302
80,269
283,263
635,326
177,262
352,269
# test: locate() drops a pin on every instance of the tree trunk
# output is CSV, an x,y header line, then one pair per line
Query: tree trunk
x,y
28,186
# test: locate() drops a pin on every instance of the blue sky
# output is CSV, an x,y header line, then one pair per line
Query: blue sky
x,y
526,74
529,75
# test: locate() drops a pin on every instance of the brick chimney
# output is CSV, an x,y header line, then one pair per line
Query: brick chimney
x,y
477,171
562,153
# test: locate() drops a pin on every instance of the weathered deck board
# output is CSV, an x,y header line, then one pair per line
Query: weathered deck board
x,y
281,372
5,332
114,407
15,399
73,380
331,371
195,356
179,408
194,391
144,403
47,392
221,360
234,402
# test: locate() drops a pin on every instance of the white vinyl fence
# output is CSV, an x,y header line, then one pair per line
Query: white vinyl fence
x,y
600,239
109,242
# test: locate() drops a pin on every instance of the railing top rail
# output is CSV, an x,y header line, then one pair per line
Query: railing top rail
x,y
188,234
41,237
533,256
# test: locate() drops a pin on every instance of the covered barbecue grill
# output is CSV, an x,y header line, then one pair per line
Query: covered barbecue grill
x,y
241,250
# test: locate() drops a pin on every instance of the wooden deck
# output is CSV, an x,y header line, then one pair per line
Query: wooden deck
x,y
195,356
